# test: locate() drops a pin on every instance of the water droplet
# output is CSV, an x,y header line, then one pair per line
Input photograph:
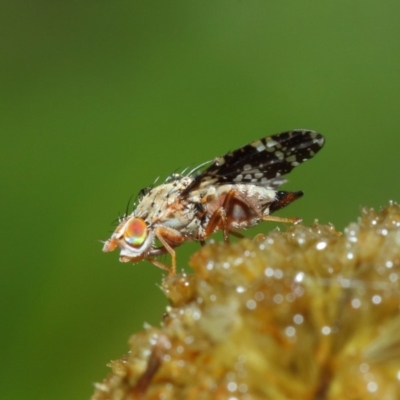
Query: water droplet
x,y
269,272
299,277
353,239
242,388
290,331
238,261
326,330
356,303
278,298
251,304
372,387
344,282
278,274
232,386
290,297
189,339
376,299
181,363
389,264
196,315
259,296
298,319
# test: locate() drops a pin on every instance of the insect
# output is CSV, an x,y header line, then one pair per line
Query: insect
x,y
236,191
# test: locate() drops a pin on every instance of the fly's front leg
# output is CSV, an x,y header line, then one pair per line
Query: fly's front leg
x,y
160,265
169,238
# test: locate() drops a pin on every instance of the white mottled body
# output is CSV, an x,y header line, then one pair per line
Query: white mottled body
x,y
235,192
160,206
250,205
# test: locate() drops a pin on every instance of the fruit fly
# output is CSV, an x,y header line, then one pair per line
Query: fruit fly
x,y
235,192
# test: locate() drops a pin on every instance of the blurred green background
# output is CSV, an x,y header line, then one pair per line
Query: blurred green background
x,y
100,98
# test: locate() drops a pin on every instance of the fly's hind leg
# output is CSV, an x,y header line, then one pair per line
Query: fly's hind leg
x,y
223,216
282,200
237,208
237,234
218,218
274,218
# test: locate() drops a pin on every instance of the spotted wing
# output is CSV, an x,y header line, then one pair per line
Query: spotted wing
x,y
262,162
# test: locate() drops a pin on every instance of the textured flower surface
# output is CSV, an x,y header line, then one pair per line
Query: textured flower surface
x,y
305,314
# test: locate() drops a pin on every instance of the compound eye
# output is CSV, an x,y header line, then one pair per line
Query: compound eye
x,y
135,232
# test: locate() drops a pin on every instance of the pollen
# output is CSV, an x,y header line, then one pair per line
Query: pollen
x,y
277,317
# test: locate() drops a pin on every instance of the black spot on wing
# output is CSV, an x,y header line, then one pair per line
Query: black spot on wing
x,y
261,161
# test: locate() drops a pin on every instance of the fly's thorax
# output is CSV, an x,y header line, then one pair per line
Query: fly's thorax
x,y
154,204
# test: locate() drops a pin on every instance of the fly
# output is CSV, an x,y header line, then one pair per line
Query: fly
x,y
235,192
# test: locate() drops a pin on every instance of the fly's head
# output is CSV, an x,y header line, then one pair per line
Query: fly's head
x,y
134,238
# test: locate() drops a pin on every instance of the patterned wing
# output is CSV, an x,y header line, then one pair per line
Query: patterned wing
x,y
262,162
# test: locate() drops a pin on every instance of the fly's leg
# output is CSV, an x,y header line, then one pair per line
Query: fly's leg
x,y
236,207
218,217
274,218
160,265
282,200
222,215
169,238
237,234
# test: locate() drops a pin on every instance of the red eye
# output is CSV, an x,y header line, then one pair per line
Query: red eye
x,y
135,232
